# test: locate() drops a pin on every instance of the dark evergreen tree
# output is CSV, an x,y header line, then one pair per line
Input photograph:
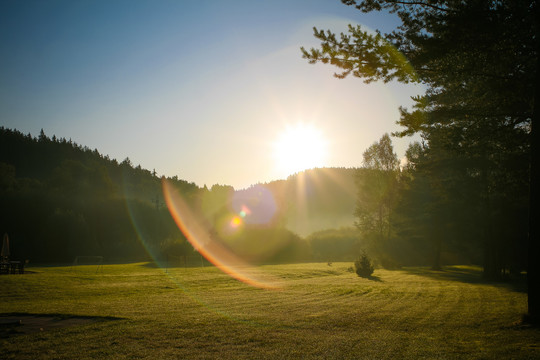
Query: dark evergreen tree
x,y
479,62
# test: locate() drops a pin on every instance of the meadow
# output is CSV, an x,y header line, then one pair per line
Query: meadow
x,y
140,311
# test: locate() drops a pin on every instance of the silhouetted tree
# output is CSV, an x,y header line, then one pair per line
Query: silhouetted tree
x,y
377,192
363,266
479,62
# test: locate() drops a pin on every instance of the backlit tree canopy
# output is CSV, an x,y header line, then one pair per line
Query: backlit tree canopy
x,y
478,60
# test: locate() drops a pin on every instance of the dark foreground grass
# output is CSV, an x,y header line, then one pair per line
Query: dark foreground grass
x,y
320,312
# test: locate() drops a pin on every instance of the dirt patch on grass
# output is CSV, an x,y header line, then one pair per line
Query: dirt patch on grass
x,y
18,324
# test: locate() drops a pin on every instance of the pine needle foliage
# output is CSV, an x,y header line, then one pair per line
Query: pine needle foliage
x,y
363,266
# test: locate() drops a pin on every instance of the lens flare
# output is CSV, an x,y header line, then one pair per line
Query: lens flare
x,y
236,221
204,240
256,205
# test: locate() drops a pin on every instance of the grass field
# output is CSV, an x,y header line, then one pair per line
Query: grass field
x,y
321,311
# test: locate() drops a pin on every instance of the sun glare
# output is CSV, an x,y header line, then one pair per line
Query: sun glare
x,y
300,147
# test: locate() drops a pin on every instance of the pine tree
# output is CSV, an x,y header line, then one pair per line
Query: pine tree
x,y
479,62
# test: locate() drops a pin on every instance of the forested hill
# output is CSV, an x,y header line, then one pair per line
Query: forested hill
x,y
61,163
60,199
318,199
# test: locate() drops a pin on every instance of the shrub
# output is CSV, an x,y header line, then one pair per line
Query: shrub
x,y
363,266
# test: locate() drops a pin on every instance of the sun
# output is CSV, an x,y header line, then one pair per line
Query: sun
x,y
300,147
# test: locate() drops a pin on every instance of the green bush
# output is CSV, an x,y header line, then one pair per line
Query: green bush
x,y
363,266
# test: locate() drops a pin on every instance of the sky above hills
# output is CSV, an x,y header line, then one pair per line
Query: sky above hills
x,y
210,91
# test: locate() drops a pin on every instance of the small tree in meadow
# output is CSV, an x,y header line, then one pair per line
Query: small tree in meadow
x,y
363,266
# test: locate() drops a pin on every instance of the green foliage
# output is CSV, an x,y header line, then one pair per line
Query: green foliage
x,y
60,200
335,244
268,245
363,266
467,186
377,188
372,57
378,194
381,156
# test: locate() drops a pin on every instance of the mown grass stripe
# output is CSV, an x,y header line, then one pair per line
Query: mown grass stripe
x,y
321,312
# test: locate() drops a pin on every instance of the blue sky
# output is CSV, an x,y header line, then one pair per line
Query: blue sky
x,y
197,89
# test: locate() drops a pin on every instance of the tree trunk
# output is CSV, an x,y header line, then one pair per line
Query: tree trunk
x,y
437,257
381,225
492,270
533,267
436,236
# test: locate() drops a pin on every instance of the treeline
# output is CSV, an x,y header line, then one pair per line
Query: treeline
x,y
434,210
467,184
444,207
474,197
60,200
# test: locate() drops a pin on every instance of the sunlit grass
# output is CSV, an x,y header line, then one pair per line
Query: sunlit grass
x,y
321,312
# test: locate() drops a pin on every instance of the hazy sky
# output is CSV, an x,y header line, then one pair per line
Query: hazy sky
x,y
198,89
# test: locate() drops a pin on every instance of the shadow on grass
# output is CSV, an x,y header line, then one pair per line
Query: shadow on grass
x,y
374,278
469,275
106,261
12,324
174,265
371,278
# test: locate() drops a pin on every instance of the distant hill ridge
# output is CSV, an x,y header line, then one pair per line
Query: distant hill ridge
x,y
314,200
318,199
